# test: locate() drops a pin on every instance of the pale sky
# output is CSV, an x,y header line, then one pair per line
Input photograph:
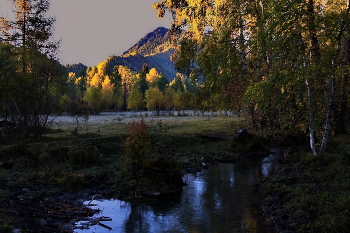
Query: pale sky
x,y
92,30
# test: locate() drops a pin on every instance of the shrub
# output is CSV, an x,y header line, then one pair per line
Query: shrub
x,y
151,166
137,146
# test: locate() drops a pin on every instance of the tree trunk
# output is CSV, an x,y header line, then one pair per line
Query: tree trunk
x,y
314,57
328,117
311,118
333,87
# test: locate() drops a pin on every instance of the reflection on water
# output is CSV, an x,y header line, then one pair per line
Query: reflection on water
x,y
218,199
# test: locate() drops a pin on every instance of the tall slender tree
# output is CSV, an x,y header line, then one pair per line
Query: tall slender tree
x,y
143,82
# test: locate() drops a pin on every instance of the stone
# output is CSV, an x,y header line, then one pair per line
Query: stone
x,y
241,135
42,222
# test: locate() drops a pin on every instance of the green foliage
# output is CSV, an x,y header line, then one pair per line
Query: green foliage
x,y
253,143
169,98
186,57
93,97
161,83
179,101
116,78
155,100
143,84
162,142
84,155
5,227
177,84
275,60
162,174
135,99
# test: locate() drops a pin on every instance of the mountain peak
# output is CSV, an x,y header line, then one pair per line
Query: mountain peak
x,y
153,43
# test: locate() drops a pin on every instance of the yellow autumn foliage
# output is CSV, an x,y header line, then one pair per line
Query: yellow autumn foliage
x,y
152,75
106,84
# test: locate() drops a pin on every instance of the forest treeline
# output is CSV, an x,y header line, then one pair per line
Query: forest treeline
x,y
284,64
103,88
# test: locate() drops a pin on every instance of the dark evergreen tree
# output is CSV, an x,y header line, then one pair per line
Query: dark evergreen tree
x,y
39,77
143,82
161,83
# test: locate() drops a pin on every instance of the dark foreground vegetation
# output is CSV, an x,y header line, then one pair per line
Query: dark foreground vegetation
x,y
44,184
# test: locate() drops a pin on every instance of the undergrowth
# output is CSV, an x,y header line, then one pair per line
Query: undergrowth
x,y
148,165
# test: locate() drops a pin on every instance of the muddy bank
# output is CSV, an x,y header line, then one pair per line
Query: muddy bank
x,y
37,207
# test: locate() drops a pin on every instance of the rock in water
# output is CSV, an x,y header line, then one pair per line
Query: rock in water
x,y
241,135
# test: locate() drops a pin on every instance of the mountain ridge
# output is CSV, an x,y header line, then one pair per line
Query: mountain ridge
x,y
157,41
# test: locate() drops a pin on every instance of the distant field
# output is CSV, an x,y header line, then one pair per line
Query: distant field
x,y
113,123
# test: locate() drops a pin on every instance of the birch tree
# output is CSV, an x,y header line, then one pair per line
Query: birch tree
x,y
285,57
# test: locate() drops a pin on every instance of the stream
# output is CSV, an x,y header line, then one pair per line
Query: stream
x,y
222,198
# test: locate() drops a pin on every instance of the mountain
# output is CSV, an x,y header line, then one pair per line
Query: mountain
x,y
160,61
154,49
153,43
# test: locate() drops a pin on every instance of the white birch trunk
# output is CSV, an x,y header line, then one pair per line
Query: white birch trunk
x,y
328,118
311,118
333,85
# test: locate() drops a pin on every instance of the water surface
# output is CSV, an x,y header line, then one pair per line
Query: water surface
x,y
219,199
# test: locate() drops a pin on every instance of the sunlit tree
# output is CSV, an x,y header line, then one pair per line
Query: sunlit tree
x,y
155,100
